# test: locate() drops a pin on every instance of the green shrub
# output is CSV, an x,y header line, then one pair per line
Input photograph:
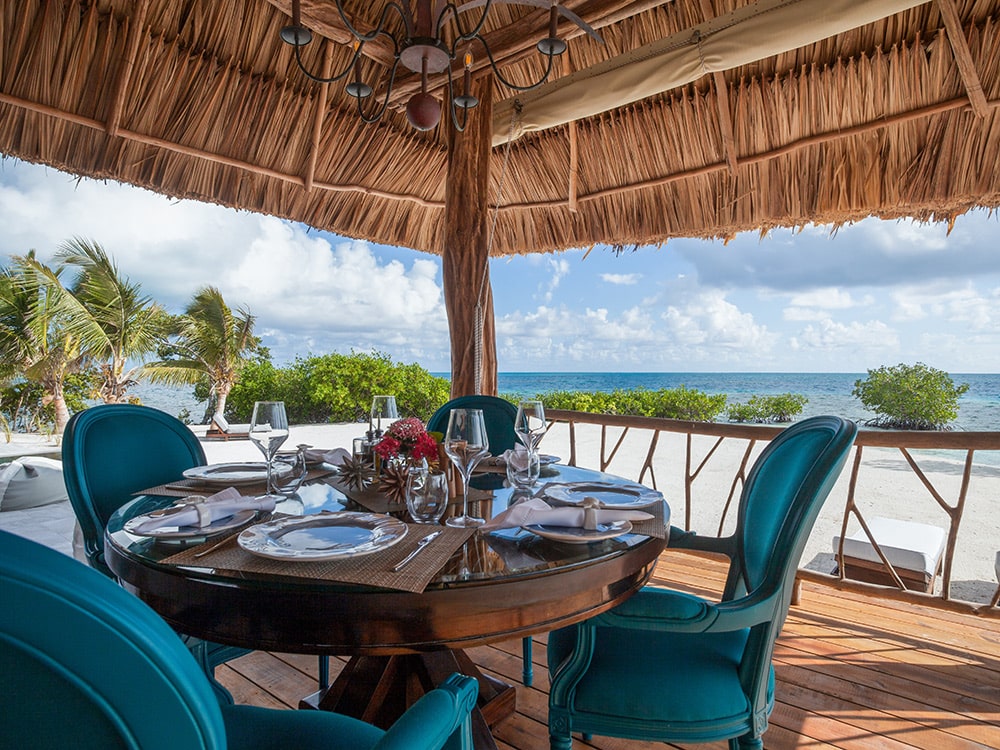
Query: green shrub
x,y
667,403
909,397
764,409
337,388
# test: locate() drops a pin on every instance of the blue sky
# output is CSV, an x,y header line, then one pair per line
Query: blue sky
x,y
870,294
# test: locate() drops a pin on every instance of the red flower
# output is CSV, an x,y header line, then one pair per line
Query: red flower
x,y
387,447
426,447
407,437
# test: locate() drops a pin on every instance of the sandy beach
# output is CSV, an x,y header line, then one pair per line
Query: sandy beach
x,y
887,487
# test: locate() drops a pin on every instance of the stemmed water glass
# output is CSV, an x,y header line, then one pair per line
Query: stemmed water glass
x,y
268,431
466,444
529,424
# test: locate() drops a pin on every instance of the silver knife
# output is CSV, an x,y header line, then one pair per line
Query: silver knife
x,y
420,545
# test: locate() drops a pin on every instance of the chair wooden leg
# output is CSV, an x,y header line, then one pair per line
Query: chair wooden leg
x,y
560,742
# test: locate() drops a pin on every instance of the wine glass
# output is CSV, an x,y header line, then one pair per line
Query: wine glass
x,y
466,444
268,431
529,424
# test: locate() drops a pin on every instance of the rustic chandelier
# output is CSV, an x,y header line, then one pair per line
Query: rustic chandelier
x,y
427,40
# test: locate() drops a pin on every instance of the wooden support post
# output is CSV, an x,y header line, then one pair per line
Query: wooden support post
x,y
465,256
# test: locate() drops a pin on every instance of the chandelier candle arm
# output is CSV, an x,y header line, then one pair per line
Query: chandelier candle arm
x,y
425,51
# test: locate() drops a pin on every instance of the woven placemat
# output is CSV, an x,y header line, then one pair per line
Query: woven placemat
x,y
367,570
185,487
657,525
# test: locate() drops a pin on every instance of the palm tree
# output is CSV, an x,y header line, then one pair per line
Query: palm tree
x,y
114,322
211,342
34,343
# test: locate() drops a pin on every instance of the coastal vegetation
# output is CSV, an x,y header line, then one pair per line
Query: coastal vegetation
x,y
336,387
909,397
763,409
667,403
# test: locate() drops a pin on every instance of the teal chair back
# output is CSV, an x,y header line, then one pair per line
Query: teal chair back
x,y
112,451
672,667
84,664
498,413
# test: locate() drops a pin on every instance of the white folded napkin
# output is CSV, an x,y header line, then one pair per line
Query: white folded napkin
x,y
223,504
332,456
538,511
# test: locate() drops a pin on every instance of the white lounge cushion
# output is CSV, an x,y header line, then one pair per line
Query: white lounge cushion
x,y
30,482
906,544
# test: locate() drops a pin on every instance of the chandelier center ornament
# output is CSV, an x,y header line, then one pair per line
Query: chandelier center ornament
x,y
429,37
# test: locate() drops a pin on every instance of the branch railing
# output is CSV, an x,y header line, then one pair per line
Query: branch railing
x,y
632,435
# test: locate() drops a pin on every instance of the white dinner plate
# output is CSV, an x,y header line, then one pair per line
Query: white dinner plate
x,y
609,494
186,532
324,536
236,474
573,535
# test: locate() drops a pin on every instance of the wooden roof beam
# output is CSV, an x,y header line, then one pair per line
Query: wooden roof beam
x,y
319,114
963,57
323,18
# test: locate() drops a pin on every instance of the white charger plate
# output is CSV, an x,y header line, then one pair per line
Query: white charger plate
x,y
324,536
236,474
609,494
187,532
572,535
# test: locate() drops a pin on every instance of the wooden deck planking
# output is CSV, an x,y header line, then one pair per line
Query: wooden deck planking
x,y
854,672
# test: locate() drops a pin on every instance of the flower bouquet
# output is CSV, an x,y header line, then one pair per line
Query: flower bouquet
x,y
407,439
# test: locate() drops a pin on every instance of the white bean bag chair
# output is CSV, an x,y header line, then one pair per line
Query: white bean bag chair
x,y
30,482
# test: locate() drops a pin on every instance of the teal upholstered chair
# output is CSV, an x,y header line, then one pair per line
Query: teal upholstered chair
x,y
84,664
498,413
109,453
672,667
112,451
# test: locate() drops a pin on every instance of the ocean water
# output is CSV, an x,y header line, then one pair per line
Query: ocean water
x,y
828,393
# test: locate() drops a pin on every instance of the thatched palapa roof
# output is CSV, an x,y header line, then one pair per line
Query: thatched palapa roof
x,y
697,118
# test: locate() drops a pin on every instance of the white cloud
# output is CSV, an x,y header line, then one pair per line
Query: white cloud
x,y
558,267
830,298
828,335
621,279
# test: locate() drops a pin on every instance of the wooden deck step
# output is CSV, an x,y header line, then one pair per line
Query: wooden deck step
x,y
853,671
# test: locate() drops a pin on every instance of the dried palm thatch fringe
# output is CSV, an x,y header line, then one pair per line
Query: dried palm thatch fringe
x,y
896,118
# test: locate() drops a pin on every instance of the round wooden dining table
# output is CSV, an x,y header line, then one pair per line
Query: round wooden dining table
x,y
498,586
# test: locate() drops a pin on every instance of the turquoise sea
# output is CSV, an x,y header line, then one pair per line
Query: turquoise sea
x,y
828,393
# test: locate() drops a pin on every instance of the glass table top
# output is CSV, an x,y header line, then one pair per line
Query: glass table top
x,y
486,557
